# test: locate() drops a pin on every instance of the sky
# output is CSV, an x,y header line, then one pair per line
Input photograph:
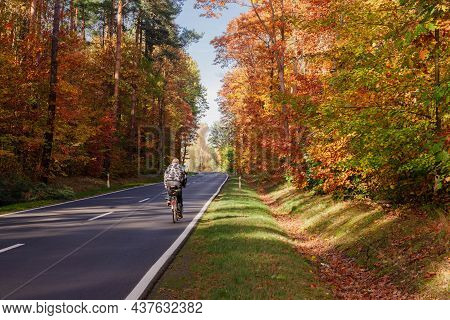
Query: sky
x,y
203,52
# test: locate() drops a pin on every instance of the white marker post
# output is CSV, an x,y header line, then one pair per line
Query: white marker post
x,y
239,182
108,184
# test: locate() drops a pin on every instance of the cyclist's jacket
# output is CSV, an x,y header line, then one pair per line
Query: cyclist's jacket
x,y
174,172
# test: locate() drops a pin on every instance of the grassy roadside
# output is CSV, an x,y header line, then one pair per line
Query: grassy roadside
x,y
83,187
239,252
405,247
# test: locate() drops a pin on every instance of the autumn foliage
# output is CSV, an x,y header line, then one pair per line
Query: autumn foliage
x,y
343,96
96,127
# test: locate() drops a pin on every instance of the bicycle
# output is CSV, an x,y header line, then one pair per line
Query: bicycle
x,y
174,204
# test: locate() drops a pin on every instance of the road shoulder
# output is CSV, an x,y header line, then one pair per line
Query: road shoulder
x,y
84,194
238,252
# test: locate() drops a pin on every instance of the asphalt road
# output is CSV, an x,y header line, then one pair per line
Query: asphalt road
x,y
97,248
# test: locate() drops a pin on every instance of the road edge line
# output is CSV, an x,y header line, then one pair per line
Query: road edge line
x,y
76,200
17,245
158,268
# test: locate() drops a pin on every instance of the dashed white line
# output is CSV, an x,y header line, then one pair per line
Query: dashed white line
x,y
102,215
78,200
143,200
12,247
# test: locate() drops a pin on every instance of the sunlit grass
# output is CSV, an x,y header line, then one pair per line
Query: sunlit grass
x,y
238,251
410,248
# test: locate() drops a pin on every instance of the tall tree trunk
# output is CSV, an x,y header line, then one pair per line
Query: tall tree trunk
x,y
183,156
138,30
118,60
281,70
49,133
133,118
282,84
83,23
33,9
162,138
437,80
281,74
177,144
72,16
104,26
134,99
140,39
115,107
146,49
111,21
40,15
75,22
284,110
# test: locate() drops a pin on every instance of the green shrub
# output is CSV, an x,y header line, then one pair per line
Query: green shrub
x,y
13,183
42,191
21,189
13,190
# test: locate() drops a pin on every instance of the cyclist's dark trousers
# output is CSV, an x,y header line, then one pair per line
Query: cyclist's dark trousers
x,y
180,196
180,190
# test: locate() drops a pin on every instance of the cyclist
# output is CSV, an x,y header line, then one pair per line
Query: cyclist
x,y
175,176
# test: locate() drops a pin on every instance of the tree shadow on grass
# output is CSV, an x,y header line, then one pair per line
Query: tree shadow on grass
x,y
224,231
222,218
410,249
283,196
239,253
240,207
240,264
239,195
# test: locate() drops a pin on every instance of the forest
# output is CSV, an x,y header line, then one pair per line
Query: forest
x,y
347,97
334,132
86,86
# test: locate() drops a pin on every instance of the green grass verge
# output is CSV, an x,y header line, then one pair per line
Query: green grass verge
x,y
83,188
411,246
239,252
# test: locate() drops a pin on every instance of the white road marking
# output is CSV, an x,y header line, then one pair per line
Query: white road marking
x,y
12,247
73,251
144,283
102,215
143,200
78,200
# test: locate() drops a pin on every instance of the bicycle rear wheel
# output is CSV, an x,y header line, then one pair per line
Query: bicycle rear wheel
x,y
174,211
